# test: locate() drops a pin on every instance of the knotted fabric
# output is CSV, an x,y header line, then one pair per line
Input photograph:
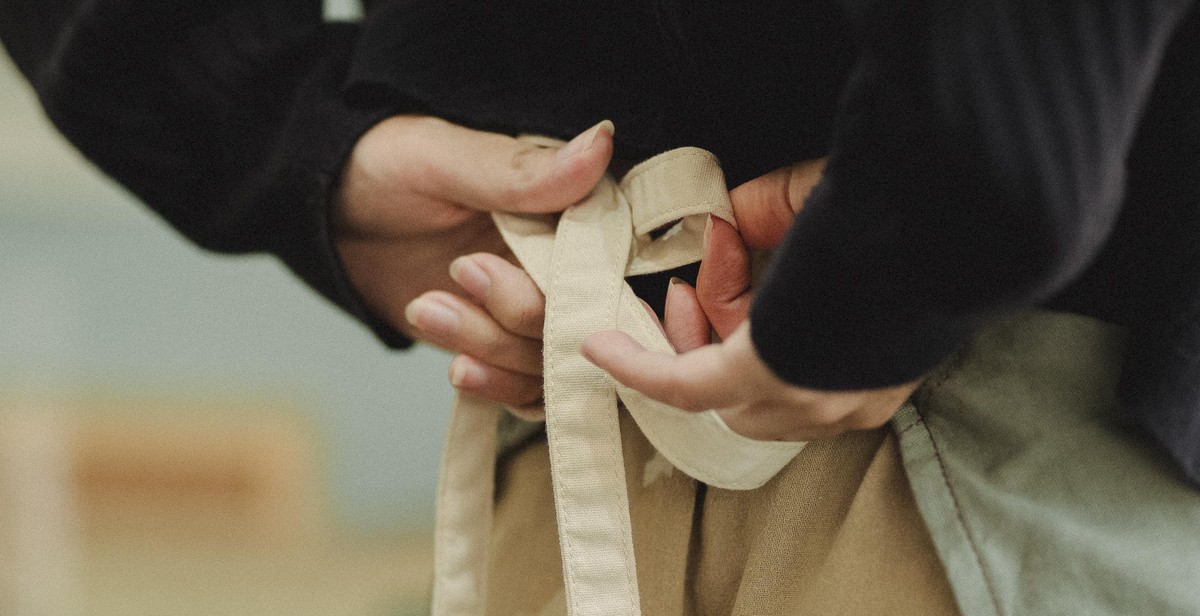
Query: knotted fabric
x,y
652,221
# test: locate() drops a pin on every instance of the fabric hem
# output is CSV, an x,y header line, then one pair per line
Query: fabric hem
x,y
938,506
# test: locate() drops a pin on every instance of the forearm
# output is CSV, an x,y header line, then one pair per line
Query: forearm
x,y
226,119
978,166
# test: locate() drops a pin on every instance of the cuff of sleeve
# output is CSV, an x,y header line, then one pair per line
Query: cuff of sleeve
x,y
840,310
822,347
317,141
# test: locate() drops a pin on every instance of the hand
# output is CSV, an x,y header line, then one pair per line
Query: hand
x,y
500,334
730,376
415,195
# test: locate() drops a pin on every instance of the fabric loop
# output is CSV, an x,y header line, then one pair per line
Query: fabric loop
x,y
579,260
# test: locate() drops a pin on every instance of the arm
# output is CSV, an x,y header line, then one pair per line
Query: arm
x,y
229,120
226,118
978,166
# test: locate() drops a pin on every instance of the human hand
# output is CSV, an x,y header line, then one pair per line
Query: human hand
x,y
498,331
415,195
730,376
499,340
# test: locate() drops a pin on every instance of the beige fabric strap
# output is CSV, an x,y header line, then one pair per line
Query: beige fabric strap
x,y
464,508
580,260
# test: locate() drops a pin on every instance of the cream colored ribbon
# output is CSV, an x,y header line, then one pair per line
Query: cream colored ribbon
x,y
579,260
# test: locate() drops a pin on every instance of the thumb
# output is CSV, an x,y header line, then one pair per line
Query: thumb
x,y
494,172
764,207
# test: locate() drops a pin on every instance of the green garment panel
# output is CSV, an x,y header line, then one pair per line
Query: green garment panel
x,y
1039,496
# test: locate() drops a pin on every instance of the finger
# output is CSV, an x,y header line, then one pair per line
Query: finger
x,y
694,381
723,282
762,427
823,416
765,206
493,383
684,324
653,316
494,172
453,323
505,290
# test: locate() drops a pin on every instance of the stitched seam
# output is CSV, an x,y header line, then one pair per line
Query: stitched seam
x,y
567,540
617,285
988,583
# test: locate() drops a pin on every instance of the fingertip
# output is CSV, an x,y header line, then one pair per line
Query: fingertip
x,y
465,373
466,271
481,380
725,225
601,348
677,284
686,325
680,296
430,313
725,236
495,265
725,271
577,168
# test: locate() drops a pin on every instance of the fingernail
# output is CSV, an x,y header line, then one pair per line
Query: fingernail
x,y
585,140
431,316
708,224
464,373
470,276
675,280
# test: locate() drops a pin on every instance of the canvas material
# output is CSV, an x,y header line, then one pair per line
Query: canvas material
x,y
1039,499
580,260
464,515
836,532
1023,491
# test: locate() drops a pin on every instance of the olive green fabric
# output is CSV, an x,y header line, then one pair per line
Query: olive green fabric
x,y
1039,498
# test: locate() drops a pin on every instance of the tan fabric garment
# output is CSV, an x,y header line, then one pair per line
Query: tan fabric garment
x,y
837,532
823,532
580,260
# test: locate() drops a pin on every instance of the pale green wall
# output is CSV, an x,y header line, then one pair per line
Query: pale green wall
x,y
96,294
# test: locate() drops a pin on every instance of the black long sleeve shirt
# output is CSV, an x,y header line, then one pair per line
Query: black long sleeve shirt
x,y
984,156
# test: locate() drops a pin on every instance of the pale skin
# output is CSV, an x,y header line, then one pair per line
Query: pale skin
x,y
415,195
728,375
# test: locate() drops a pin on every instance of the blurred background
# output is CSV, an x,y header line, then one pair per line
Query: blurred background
x,y
186,433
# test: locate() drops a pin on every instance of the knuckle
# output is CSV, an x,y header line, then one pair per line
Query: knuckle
x,y
523,176
677,395
493,345
525,318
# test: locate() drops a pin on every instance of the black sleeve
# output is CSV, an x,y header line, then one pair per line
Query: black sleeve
x,y
978,165
225,117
